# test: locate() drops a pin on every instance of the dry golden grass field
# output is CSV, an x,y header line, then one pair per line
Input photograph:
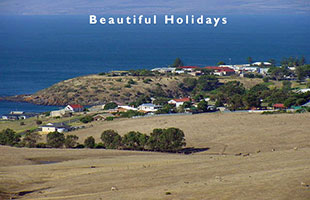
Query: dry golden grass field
x,y
274,164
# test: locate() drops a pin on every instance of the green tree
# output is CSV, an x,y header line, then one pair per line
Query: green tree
x,y
110,105
171,139
177,63
303,72
266,79
203,106
207,83
286,85
279,73
302,61
30,139
188,84
111,139
71,141
89,142
55,139
9,137
134,140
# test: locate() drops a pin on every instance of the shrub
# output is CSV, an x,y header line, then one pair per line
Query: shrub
x,y
111,139
110,105
109,118
89,142
131,113
147,81
131,82
79,146
38,122
9,137
86,119
31,139
127,86
41,145
71,141
22,123
55,139
100,145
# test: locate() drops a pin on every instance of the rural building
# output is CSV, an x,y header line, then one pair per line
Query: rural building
x,y
126,108
18,115
189,68
96,108
101,117
279,106
260,63
221,71
179,102
60,113
74,108
59,127
149,107
164,70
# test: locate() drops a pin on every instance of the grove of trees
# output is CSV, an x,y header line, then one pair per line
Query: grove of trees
x,y
164,140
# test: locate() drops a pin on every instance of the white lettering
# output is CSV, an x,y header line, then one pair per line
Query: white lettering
x,y
92,19
217,20
169,19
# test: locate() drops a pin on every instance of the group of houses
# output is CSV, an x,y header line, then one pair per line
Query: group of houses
x,y
18,115
221,70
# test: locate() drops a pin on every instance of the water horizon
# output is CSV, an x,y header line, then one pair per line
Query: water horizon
x,y
39,51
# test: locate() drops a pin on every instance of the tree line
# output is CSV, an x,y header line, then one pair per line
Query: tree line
x,y
163,140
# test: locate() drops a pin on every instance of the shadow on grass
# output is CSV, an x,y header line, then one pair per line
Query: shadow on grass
x,y
191,150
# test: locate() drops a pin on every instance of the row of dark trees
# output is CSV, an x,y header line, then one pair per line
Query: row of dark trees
x,y
164,140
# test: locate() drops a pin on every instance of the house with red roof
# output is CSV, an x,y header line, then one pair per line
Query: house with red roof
x,y
179,102
221,71
279,106
74,108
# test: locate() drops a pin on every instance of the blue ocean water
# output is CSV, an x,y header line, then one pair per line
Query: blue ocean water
x,y
39,51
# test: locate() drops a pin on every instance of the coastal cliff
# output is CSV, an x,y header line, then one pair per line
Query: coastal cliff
x,y
99,89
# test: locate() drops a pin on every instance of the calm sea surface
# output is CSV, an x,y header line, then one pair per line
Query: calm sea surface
x,y
39,51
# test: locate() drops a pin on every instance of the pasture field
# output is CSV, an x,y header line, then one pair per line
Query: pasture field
x,y
250,156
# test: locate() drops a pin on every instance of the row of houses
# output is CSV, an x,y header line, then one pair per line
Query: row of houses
x,y
221,70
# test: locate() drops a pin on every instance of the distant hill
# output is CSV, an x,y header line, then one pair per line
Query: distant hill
x,y
96,89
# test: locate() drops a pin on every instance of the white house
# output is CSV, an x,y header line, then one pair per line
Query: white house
x,y
74,108
179,102
126,108
58,113
60,128
263,71
259,63
149,107
164,70
303,90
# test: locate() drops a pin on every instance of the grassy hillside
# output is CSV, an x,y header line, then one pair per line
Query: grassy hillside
x,y
218,173
96,89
